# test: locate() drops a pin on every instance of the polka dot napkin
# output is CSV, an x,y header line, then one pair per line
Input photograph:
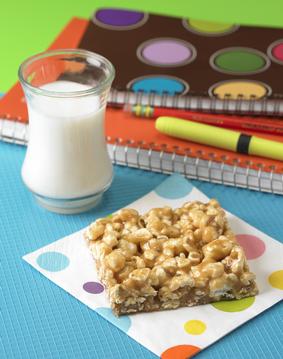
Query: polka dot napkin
x,y
68,263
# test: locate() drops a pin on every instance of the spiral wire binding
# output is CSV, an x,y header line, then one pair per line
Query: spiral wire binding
x,y
13,131
200,102
195,167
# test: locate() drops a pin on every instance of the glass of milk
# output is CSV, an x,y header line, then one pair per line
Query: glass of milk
x,y
67,166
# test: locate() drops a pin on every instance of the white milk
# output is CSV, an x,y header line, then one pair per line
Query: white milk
x,y
67,155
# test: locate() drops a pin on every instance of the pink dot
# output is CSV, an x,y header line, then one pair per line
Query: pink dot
x,y
93,287
253,246
277,51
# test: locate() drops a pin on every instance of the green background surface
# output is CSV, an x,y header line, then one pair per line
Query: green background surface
x,y
29,26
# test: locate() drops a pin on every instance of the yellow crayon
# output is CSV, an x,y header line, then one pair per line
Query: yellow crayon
x,y
219,137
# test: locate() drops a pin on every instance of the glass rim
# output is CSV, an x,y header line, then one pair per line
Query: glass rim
x,y
80,52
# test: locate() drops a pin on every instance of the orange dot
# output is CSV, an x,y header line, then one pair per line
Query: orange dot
x,y
180,352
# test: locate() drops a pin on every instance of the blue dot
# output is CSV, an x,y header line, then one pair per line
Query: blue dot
x,y
175,186
123,322
53,261
159,85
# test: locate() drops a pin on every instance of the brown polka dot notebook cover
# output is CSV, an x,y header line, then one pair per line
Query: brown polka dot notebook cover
x,y
161,55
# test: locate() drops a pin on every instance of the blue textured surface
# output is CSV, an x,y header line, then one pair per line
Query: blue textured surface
x,y
43,321
123,322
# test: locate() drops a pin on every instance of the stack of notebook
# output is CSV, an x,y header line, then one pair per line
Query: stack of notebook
x,y
180,63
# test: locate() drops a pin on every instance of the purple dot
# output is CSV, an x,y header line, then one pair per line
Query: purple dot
x,y
93,287
118,17
166,52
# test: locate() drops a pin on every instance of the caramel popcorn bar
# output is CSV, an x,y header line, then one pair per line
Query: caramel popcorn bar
x,y
166,259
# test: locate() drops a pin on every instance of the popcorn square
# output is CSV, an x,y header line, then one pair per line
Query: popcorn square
x,y
166,259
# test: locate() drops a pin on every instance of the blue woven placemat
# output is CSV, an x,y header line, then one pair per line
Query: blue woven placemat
x,y
42,321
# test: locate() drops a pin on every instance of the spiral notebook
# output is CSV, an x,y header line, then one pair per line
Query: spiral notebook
x,y
134,142
202,65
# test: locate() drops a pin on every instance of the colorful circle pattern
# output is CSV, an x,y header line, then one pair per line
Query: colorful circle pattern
x,y
180,352
159,84
166,52
275,51
234,89
276,279
253,246
234,305
195,327
118,19
53,261
239,61
174,187
93,287
209,28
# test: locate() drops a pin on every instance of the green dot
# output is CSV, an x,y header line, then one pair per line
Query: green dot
x,y
234,305
239,61
209,27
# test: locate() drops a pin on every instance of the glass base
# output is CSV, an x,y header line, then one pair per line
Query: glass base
x,y
69,206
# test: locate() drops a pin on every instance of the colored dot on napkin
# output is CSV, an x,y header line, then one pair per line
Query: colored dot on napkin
x,y
93,287
180,352
234,305
276,279
53,261
195,327
253,246
174,187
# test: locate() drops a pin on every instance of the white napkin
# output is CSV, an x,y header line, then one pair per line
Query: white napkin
x,y
174,333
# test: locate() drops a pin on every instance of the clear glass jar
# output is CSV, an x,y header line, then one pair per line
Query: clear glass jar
x,y
67,166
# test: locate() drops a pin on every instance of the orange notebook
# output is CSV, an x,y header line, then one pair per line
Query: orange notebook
x,y
135,142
